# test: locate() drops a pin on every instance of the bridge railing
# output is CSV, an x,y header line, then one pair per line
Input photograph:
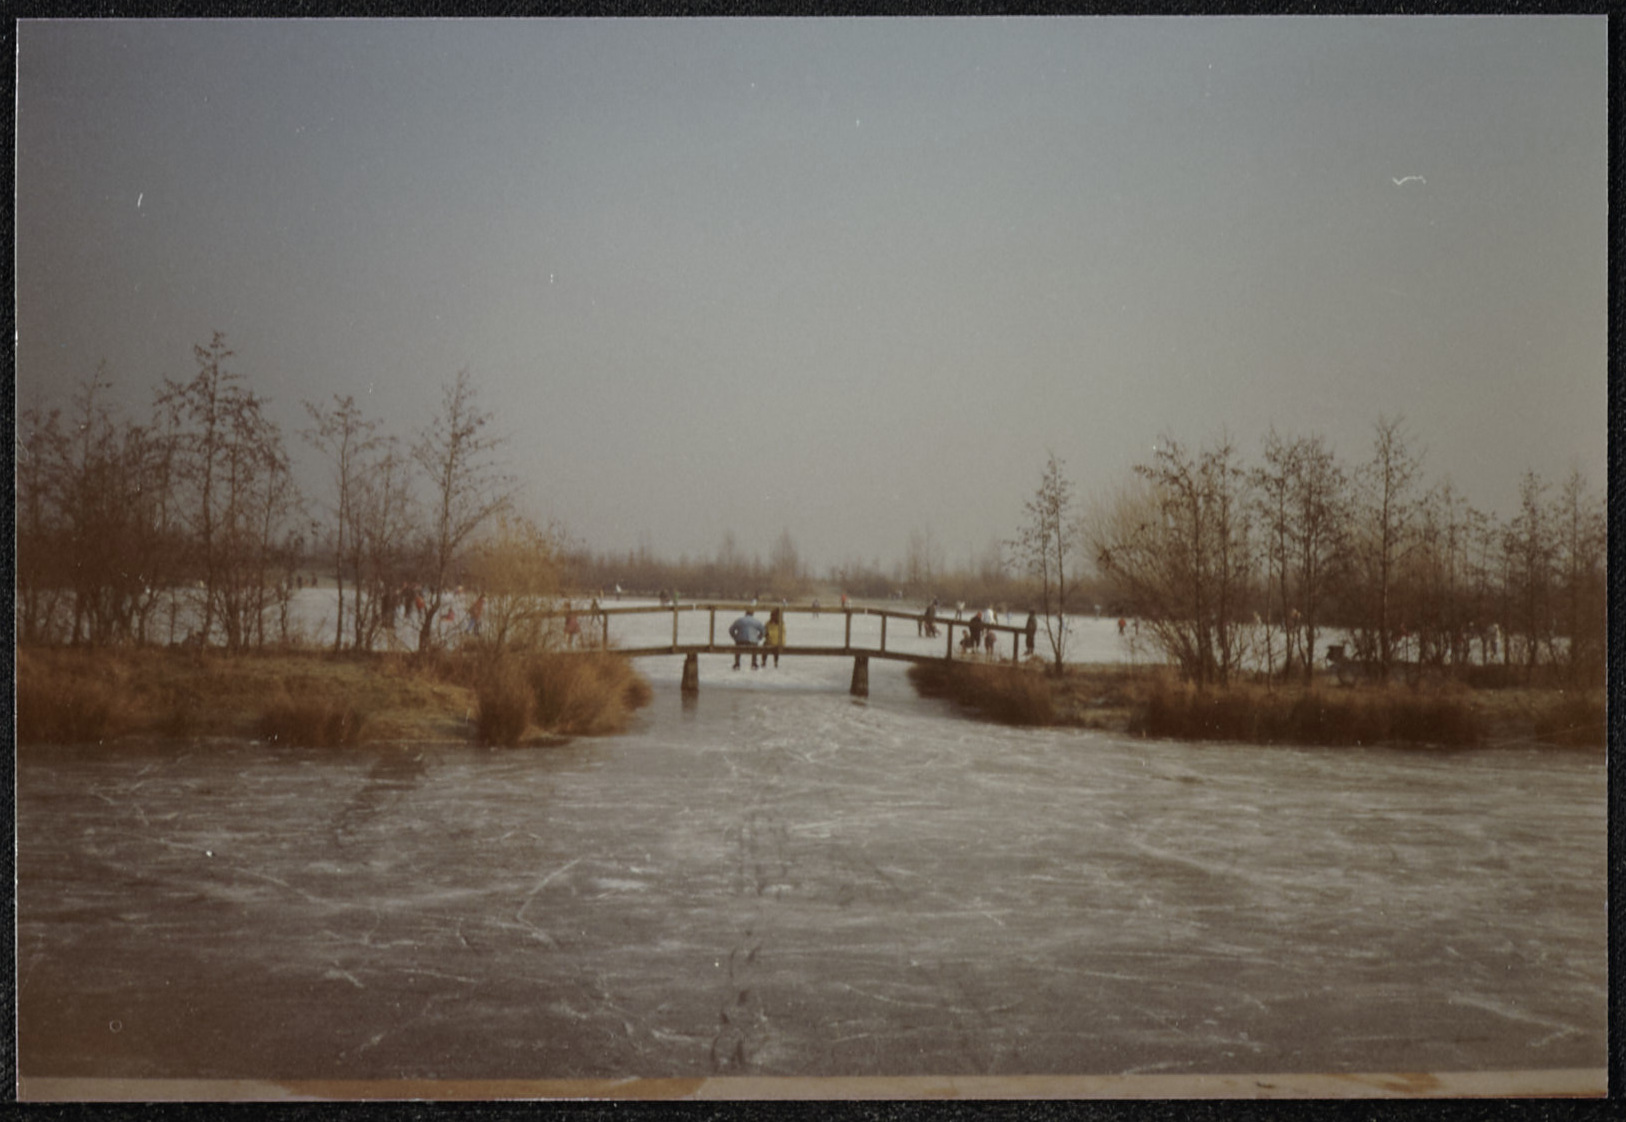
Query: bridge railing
x,y
677,609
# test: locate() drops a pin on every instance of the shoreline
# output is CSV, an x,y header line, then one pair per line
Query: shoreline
x,y
163,693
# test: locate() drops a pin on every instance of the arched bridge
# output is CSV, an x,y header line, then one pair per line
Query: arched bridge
x,y
695,631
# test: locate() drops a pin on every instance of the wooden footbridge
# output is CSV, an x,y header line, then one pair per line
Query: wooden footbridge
x,y
595,630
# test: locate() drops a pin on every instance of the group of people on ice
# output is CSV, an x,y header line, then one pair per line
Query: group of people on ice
x,y
411,600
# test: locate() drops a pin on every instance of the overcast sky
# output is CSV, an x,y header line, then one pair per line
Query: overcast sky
x,y
852,277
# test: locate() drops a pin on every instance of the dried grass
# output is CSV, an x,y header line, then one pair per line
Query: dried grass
x,y
586,694
555,694
311,724
1324,717
58,710
1012,695
504,702
1579,719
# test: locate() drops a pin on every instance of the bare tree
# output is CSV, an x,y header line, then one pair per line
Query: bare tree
x,y
347,438
785,565
1532,570
923,561
198,415
517,570
1387,487
1317,536
41,556
466,488
1582,536
1272,488
1044,548
1177,547
383,507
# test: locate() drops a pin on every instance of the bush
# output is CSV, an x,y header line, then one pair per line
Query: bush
x,y
504,701
57,709
1573,719
590,694
1247,713
311,724
1012,695
586,694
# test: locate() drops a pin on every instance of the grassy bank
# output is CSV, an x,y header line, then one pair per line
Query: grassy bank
x,y
308,698
1154,703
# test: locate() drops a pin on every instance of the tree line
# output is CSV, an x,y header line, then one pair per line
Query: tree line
x,y
188,526
733,573
1231,565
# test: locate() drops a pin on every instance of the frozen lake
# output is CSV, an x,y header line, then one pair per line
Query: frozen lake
x,y
778,879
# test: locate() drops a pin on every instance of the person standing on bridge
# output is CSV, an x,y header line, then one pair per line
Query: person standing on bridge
x,y
776,637
746,632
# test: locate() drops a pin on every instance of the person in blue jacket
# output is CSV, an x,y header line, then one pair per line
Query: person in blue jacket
x,y
746,632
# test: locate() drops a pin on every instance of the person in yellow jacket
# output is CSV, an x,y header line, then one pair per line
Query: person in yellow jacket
x,y
776,636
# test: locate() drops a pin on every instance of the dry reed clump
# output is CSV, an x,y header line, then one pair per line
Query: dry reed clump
x,y
1579,719
558,694
1012,695
82,694
57,707
1322,717
503,705
586,694
311,724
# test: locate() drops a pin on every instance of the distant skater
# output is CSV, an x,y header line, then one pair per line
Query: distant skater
x,y
746,632
573,625
988,638
975,633
1032,629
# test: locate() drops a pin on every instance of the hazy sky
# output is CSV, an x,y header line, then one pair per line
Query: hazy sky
x,y
849,277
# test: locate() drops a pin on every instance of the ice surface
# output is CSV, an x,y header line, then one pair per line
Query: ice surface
x,y
777,878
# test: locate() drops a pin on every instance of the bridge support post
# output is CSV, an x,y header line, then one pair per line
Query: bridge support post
x,y
860,686
691,674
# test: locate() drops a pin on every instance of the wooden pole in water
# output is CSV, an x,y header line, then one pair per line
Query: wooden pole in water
x,y
860,686
883,632
674,622
711,636
949,652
